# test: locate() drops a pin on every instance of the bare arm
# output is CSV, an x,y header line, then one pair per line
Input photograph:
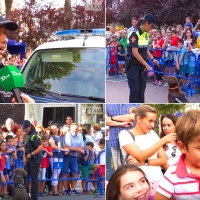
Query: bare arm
x,y
121,120
38,150
133,150
161,160
159,196
54,146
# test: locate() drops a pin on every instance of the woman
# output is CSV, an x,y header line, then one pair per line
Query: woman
x,y
168,126
147,146
57,143
87,134
188,37
128,182
18,135
138,52
40,130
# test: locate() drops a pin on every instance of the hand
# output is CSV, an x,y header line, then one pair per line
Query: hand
x,y
169,138
148,67
198,22
132,160
28,156
10,151
126,124
156,62
25,99
177,66
22,149
81,151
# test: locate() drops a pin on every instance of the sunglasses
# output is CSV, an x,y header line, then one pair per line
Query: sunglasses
x,y
39,132
174,151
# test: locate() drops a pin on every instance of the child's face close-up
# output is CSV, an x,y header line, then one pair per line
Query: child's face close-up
x,y
3,147
88,147
133,185
180,45
10,142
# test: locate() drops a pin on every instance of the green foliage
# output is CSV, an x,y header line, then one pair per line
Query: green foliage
x,y
167,108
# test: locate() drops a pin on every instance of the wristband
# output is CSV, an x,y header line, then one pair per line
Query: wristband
x,y
146,162
152,58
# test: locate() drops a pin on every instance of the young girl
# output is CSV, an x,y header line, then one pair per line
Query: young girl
x,y
3,159
121,59
128,182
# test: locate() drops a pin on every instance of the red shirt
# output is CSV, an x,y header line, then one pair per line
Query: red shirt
x,y
45,160
2,162
113,57
174,41
158,53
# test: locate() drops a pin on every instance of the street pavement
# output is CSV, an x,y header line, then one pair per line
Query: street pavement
x,y
80,197
117,91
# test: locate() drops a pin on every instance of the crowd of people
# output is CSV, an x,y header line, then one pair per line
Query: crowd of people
x,y
171,46
76,148
14,59
153,166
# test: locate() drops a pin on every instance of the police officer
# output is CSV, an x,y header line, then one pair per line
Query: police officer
x,y
137,53
33,148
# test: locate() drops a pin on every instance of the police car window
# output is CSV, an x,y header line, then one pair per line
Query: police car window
x,y
77,71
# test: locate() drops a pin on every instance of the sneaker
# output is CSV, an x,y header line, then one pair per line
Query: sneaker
x,y
84,192
91,176
74,192
67,192
166,85
155,82
42,194
6,196
103,192
39,194
96,192
160,83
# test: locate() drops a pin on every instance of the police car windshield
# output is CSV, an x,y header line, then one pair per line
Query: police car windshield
x,y
75,71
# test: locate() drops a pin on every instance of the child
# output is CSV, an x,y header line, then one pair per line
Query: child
x,y
102,163
47,151
107,56
124,182
86,164
97,133
113,56
182,61
3,159
181,181
157,53
188,22
121,59
11,157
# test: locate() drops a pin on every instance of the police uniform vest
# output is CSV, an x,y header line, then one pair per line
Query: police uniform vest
x,y
28,142
142,43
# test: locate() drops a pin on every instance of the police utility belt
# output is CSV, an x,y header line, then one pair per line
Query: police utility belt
x,y
131,61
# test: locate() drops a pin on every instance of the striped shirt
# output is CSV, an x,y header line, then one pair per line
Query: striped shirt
x,y
180,183
115,110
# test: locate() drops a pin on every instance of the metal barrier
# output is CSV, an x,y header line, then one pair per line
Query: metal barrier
x,y
57,164
190,70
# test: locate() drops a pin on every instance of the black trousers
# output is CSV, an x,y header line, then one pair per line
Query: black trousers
x,y
136,82
32,168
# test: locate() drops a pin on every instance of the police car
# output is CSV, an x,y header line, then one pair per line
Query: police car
x,y
69,70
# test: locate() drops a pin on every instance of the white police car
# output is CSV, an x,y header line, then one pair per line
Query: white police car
x,y
69,70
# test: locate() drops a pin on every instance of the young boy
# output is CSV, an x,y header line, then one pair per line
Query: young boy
x,y
181,181
86,164
11,157
101,163
182,61
47,151
188,22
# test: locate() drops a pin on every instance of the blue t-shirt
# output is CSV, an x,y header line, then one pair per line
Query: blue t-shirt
x,y
120,58
183,51
10,160
58,142
87,162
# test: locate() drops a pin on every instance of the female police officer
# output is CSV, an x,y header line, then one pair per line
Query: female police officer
x,y
137,53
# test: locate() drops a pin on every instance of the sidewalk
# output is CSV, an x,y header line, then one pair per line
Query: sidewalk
x,y
80,197
117,91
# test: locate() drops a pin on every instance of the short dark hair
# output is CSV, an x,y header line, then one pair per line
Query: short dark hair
x,y
90,144
69,116
102,141
44,137
180,41
8,137
133,18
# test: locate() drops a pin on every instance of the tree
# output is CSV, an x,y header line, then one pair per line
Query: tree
x,y
8,5
67,15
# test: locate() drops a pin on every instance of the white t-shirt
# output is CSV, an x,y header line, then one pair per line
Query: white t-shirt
x,y
153,173
170,159
102,158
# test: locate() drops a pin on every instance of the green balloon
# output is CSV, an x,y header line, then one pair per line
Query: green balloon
x,y
10,78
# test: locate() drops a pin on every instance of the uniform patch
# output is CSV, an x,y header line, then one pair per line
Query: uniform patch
x,y
133,39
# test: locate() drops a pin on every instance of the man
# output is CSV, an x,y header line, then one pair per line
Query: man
x,y
69,120
133,22
33,121
118,119
7,97
74,142
33,148
10,125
